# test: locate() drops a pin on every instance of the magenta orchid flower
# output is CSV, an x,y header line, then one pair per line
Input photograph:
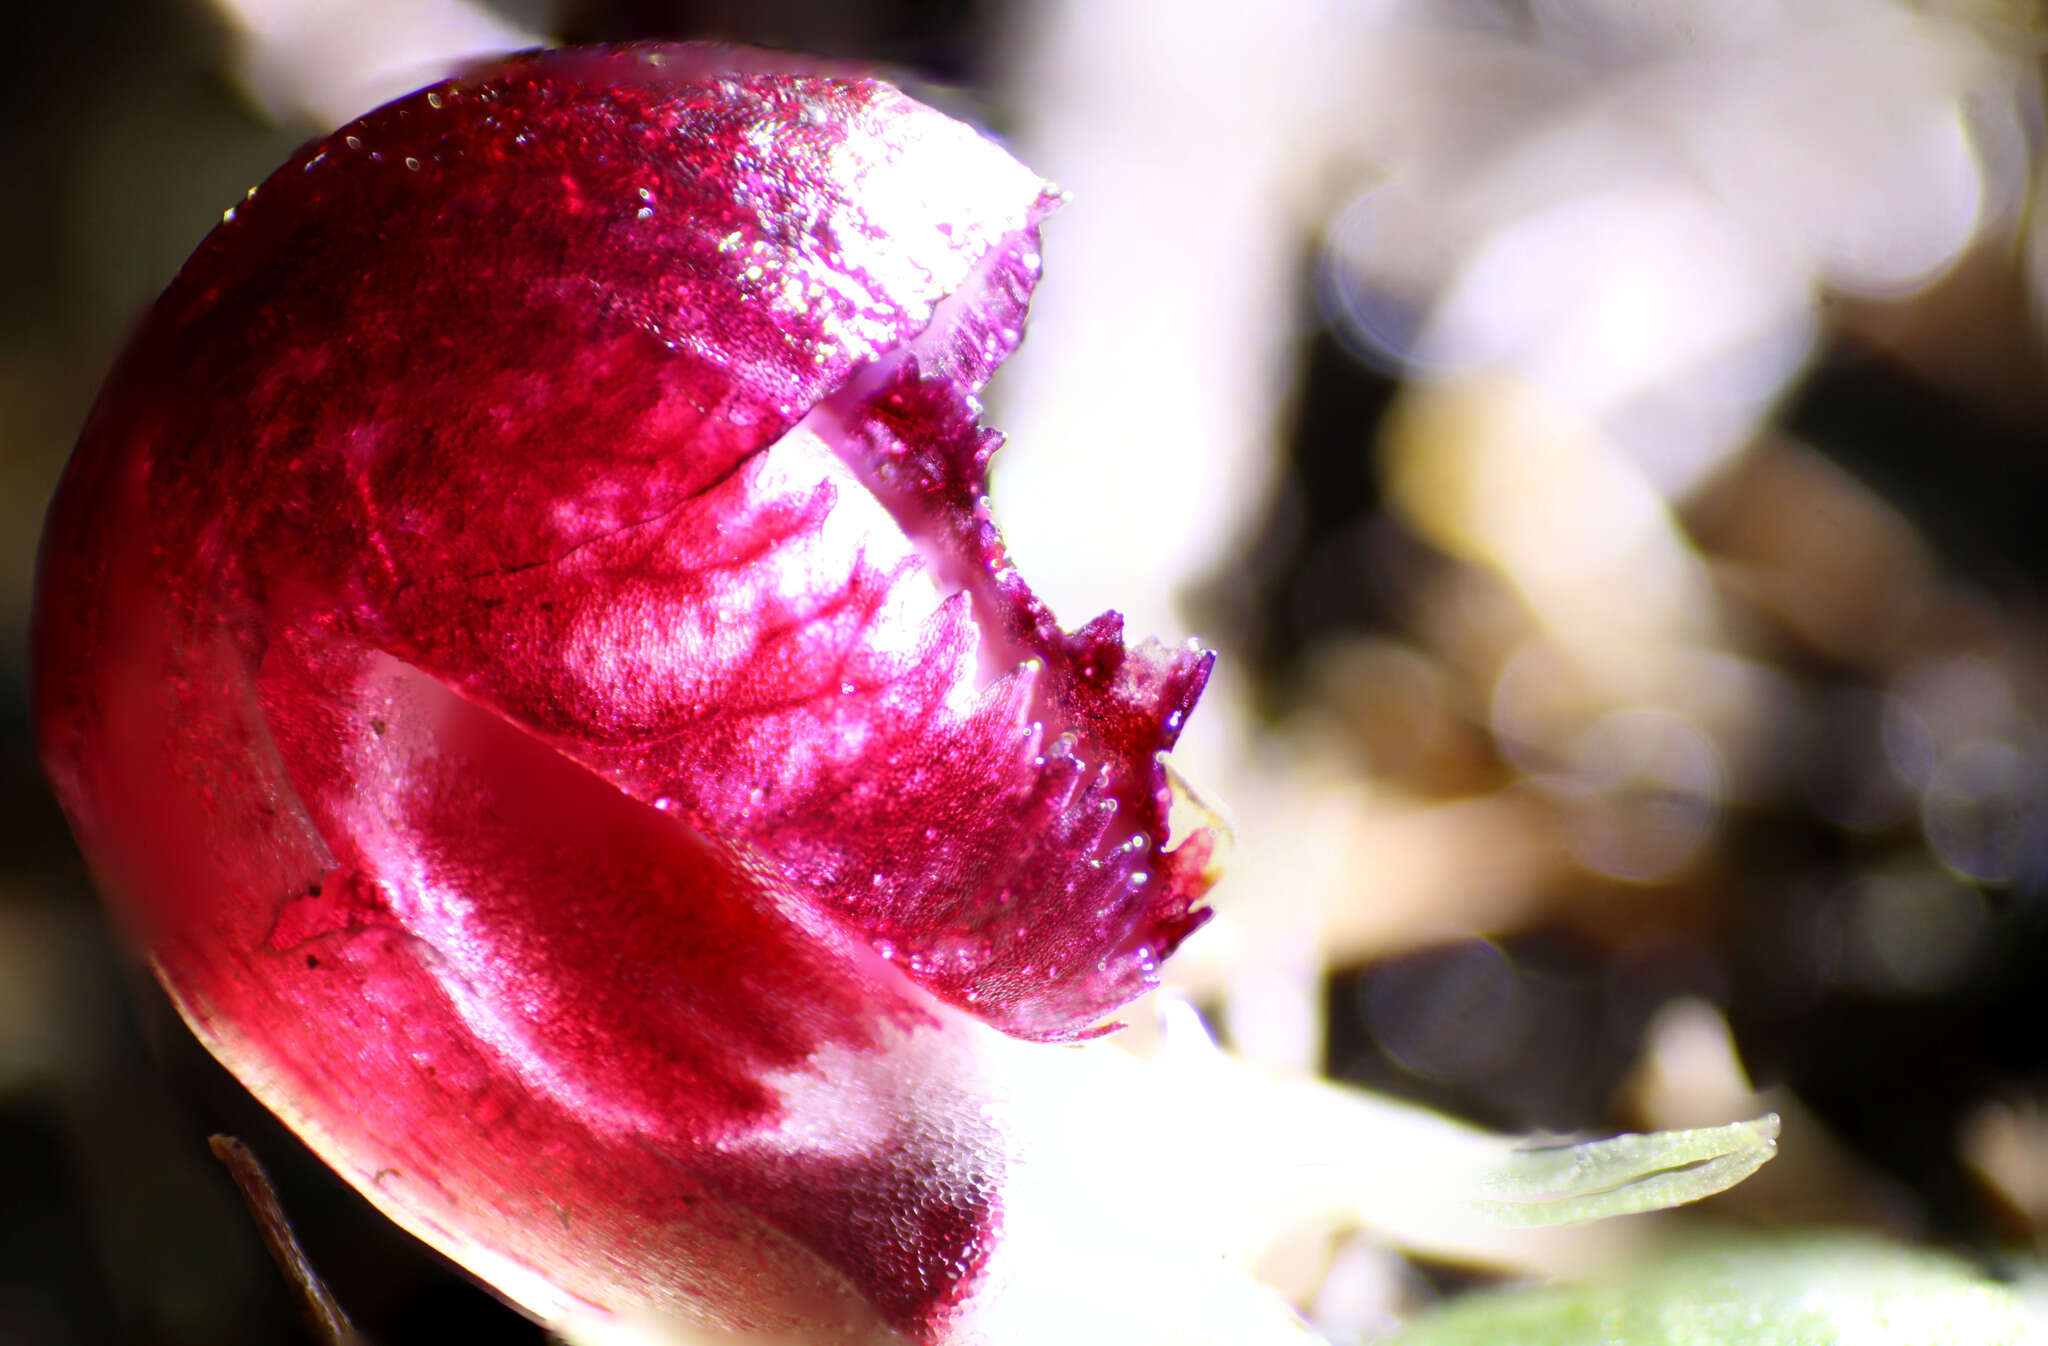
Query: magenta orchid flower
x,y
523,637
524,642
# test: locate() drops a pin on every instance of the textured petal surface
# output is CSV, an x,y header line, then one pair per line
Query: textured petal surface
x,y
523,633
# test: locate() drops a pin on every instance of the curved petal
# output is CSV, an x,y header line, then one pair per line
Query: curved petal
x,y
548,1029
478,379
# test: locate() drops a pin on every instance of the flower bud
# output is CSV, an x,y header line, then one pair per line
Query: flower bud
x,y
523,641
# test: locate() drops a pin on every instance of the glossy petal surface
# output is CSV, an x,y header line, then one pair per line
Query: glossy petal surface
x,y
523,635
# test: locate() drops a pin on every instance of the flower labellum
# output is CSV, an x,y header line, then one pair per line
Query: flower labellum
x,y
523,640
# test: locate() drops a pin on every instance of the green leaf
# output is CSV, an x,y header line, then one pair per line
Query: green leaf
x,y
1626,1174
1812,1290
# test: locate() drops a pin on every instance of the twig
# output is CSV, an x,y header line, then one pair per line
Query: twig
x,y
324,1318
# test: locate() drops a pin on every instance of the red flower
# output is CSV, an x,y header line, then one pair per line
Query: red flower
x,y
523,639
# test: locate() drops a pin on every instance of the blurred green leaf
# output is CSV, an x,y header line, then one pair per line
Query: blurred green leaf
x,y
1628,1174
1813,1290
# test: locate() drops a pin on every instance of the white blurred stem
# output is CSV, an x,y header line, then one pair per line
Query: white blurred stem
x,y
1306,1150
1142,406
329,61
1148,1190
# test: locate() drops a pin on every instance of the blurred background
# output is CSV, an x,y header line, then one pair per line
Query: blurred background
x,y
1604,438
